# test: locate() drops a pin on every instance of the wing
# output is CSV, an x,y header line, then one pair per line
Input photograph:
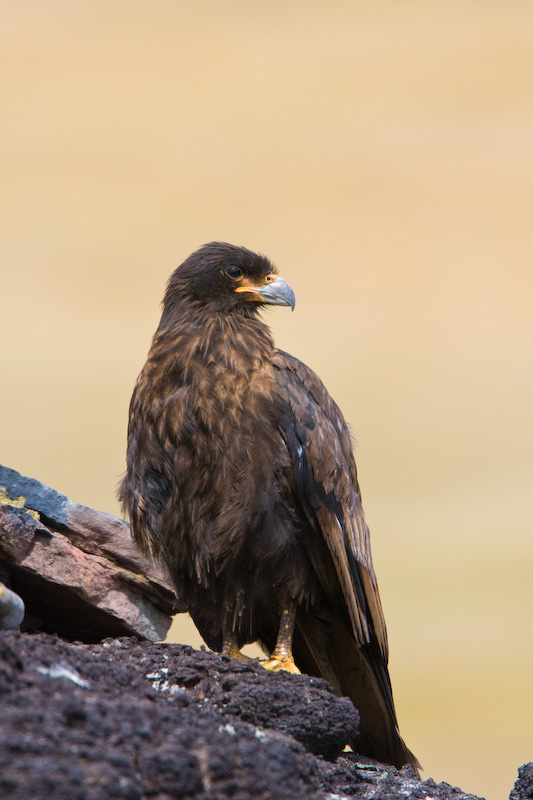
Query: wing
x,y
325,480
346,640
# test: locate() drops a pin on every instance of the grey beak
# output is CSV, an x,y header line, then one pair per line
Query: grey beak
x,y
277,293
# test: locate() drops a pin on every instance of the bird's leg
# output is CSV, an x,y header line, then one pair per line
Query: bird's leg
x,y
230,648
281,656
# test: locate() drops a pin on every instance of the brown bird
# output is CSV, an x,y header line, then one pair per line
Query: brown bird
x,y
241,480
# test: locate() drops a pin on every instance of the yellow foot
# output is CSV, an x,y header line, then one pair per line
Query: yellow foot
x,y
275,663
234,652
244,657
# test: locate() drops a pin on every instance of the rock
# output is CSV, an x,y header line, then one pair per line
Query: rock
x,y
78,570
11,608
304,708
135,719
523,788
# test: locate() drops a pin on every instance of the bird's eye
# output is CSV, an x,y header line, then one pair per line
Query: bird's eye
x,y
234,273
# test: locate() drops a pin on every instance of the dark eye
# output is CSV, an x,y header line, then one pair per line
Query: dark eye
x,y
234,273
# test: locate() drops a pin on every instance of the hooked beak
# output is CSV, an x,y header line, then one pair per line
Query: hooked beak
x,y
277,293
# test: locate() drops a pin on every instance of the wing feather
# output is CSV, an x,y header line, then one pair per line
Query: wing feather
x,y
320,448
348,646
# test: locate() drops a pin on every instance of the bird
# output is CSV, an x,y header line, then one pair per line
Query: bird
x,y
241,481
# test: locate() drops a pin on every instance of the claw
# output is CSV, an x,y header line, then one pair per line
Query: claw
x,y
277,663
231,650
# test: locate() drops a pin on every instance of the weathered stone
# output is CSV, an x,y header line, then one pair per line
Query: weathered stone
x,y
523,788
78,570
11,609
135,719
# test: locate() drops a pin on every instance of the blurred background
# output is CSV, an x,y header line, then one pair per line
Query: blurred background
x,y
381,153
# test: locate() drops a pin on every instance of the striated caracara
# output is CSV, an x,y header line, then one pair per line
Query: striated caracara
x,y
241,480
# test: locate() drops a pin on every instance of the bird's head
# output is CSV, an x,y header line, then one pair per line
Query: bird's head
x,y
226,279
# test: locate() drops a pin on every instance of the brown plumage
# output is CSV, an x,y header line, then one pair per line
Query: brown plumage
x,y
241,480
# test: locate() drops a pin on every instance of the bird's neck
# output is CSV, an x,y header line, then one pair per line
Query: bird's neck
x,y
197,339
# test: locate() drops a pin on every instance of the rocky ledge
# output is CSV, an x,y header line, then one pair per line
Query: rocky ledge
x,y
135,720
77,570
114,716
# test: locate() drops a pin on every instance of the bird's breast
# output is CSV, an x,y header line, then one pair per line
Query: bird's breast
x,y
207,421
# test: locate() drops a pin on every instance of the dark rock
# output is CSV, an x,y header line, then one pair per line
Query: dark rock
x,y
523,788
352,776
304,708
130,719
77,570
50,504
95,719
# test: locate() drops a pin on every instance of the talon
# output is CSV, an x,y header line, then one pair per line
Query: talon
x,y
275,664
231,650
243,656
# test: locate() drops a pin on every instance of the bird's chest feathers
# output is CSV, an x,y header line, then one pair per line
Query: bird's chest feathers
x,y
227,371
231,397
227,442
220,410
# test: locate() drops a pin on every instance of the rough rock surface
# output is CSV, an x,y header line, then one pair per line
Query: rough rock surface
x,y
77,570
523,789
11,609
130,719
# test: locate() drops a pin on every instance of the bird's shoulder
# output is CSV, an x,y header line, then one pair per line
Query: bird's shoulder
x,y
311,415
294,374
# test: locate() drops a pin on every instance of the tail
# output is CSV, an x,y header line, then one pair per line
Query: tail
x,y
359,672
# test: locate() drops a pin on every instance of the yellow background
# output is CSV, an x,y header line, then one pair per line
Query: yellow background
x,y
381,153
